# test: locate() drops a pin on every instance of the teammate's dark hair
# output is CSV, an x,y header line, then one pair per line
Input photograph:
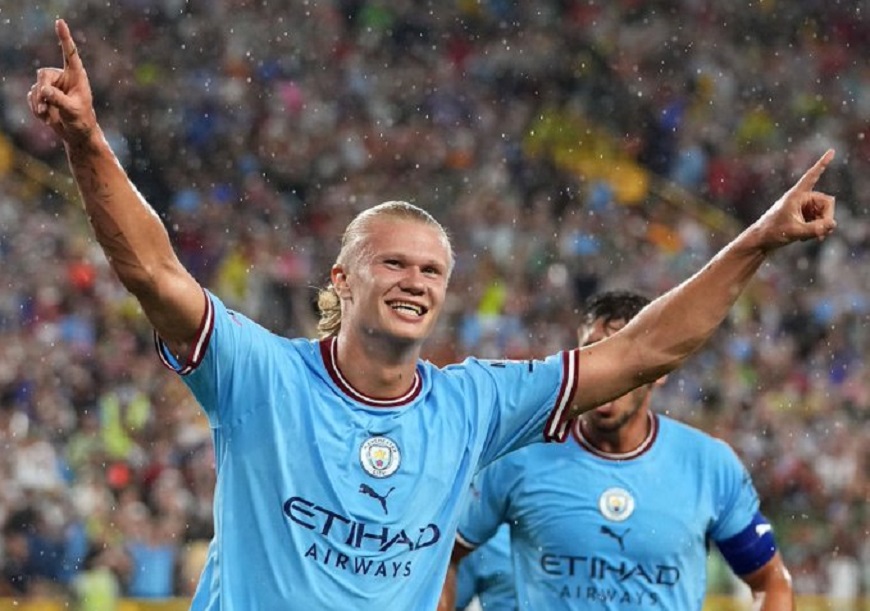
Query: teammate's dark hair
x,y
613,305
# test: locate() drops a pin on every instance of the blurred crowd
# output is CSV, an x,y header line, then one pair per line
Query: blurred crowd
x,y
569,146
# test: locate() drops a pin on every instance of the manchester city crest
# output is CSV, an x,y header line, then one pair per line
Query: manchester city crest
x,y
379,456
616,504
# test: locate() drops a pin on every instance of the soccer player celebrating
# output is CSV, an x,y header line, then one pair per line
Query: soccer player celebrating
x,y
342,463
621,516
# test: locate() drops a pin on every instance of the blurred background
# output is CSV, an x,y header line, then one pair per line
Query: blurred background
x,y
569,146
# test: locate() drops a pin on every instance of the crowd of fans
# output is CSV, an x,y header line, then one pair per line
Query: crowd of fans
x,y
568,145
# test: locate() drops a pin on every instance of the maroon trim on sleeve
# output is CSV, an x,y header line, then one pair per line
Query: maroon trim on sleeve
x,y
199,346
558,424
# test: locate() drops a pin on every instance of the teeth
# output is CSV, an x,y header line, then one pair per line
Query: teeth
x,y
408,307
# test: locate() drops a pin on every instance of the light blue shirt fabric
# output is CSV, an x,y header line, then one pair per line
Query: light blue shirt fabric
x,y
591,531
328,499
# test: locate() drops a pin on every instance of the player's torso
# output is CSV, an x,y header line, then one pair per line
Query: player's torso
x,y
318,488
598,533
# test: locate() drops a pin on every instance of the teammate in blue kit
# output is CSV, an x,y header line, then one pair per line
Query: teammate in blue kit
x,y
343,463
621,516
487,573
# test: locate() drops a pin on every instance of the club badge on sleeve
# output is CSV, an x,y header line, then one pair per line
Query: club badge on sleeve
x,y
379,456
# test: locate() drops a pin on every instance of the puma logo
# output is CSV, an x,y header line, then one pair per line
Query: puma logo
x,y
606,530
369,491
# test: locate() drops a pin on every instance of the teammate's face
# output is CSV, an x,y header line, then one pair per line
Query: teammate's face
x,y
397,288
613,416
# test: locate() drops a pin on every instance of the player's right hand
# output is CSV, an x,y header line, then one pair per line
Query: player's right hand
x,y
61,98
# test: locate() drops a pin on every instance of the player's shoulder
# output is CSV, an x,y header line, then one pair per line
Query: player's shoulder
x,y
469,370
237,320
265,338
495,368
692,437
472,364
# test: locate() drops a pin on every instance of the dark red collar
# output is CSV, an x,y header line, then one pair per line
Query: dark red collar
x,y
645,445
329,353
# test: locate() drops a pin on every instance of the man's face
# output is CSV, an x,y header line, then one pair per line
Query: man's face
x,y
397,287
612,416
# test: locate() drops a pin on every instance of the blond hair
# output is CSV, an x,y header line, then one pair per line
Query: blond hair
x,y
354,243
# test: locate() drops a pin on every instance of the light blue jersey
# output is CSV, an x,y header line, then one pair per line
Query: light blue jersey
x,y
329,499
487,573
596,531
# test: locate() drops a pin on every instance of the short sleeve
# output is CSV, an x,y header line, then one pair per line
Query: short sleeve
x,y
532,401
487,505
736,501
222,360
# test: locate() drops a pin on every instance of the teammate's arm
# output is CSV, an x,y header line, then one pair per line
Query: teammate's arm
x,y
753,555
771,586
127,228
447,602
672,327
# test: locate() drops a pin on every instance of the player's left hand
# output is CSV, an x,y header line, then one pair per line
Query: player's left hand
x,y
801,213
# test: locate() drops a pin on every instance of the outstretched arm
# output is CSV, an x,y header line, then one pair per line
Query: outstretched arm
x,y
129,231
672,327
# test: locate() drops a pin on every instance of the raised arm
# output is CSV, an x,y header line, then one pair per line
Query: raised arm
x,y
129,231
672,327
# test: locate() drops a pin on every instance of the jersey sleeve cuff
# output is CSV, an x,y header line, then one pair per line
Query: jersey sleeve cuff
x,y
465,542
559,422
198,347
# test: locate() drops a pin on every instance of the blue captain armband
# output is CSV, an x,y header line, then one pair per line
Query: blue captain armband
x,y
751,548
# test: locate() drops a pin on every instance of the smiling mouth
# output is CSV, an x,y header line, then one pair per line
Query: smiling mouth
x,y
408,308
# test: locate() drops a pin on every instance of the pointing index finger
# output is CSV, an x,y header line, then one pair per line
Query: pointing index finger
x,y
811,176
71,57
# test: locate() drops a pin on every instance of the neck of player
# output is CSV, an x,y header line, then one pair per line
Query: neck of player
x,y
378,367
620,440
